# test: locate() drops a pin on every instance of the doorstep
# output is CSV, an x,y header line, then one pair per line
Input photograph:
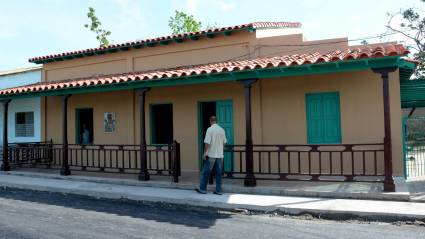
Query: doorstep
x,y
343,190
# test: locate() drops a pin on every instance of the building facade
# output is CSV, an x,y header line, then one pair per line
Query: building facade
x,y
291,108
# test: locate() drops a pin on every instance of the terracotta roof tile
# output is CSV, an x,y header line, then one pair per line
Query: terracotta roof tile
x,y
229,66
92,51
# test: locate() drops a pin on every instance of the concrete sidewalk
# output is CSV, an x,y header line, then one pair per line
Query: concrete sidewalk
x,y
370,209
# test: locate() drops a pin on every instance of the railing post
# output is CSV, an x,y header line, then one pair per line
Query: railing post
x,y
144,173
50,153
5,163
65,165
389,185
175,161
179,162
250,180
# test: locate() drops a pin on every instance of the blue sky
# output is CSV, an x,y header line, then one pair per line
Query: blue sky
x,y
31,28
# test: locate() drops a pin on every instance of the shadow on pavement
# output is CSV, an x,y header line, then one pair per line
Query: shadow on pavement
x,y
160,212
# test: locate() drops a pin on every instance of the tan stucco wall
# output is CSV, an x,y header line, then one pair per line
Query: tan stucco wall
x,y
361,102
278,108
240,45
204,50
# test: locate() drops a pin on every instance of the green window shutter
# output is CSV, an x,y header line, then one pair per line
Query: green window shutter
x,y
323,118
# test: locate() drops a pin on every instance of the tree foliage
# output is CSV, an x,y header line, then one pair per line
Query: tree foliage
x,y
183,22
411,26
94,26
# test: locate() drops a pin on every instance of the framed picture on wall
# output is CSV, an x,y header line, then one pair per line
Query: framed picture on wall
x,y
109,122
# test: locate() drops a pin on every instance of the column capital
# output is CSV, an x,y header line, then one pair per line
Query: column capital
x,y
248,82
6,101
141,91
384,70
65,97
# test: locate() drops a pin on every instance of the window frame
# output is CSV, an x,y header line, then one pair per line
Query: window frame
x,y
78,124
33,124
308,119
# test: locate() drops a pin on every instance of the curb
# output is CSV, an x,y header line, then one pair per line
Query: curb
x,y
276,191
319,213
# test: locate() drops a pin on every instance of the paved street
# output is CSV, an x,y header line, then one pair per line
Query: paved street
x,y
26,214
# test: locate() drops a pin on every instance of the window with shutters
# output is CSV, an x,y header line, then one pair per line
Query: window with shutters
x,y
24,124
323,118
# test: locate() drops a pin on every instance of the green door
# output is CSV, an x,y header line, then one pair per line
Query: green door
x,y
323,118
224,113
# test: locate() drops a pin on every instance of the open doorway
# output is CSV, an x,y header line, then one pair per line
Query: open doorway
x,y
206,110
161,124
223,110
84,126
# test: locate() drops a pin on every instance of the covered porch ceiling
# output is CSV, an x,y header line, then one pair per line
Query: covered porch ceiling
x,y
387,55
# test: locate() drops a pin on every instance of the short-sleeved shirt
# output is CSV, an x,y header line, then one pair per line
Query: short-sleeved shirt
x,y
216,138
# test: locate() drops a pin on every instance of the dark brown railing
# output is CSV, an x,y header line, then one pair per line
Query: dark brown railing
x,y
349,162
30,153
162,160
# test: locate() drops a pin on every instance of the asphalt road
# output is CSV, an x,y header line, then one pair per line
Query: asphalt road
x,y
27,214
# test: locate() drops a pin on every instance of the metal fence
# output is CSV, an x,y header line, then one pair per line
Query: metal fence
x,y
414,146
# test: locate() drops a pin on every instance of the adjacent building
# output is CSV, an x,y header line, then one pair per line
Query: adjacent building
x,y
24,116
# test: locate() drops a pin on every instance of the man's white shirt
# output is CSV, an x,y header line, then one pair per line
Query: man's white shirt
x,y
216,138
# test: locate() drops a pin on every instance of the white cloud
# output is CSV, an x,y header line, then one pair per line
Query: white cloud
x,y
8,28
225,6
129,16
192,6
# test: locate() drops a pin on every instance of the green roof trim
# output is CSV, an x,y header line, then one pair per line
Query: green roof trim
x,y
412,93
284,71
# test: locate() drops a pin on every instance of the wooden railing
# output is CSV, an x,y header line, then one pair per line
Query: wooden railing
x,y
162,160
30,153
348,162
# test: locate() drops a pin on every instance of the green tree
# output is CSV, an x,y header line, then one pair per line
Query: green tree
x,y
183,22
94,26
412,26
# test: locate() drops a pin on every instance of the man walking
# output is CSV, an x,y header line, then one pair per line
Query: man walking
x,y
215,138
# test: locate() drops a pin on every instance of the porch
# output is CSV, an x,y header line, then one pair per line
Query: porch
x,y
360,158
325,170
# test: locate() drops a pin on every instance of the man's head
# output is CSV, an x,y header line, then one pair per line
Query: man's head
x,y
213,120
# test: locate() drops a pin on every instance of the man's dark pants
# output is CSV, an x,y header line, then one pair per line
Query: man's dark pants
x,y
209,165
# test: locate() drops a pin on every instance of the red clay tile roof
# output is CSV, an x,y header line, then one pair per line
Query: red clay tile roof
x,y
229,66
140,43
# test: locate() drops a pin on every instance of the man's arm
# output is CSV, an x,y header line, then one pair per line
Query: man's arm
x,y
207,142
206,147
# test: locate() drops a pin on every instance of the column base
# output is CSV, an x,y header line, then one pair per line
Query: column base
x,y
250,181
65,171
5,167
144,176
389,187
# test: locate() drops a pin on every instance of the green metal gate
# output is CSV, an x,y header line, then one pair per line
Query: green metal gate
x,y
414,146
